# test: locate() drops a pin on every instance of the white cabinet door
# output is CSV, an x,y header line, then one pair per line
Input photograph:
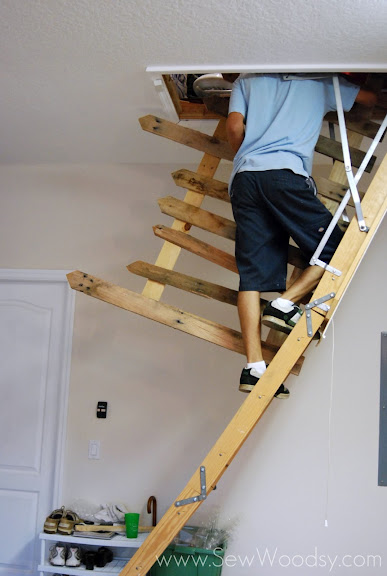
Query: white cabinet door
x,y
36,318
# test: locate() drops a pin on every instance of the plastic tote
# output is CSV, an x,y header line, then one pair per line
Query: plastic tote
x,y
188,561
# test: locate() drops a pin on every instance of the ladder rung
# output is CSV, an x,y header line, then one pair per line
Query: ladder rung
x,y
186,136
363,127
167,315
215,147
198,217
184,282
217,189
196,246
333,149
187,283
215,255
204,185
333,190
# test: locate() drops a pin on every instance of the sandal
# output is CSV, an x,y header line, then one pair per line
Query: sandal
x,y
66,524
52,521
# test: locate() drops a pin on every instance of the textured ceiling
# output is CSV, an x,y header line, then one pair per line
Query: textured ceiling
x,y
72,72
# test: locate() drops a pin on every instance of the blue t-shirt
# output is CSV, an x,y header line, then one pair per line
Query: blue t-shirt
x,y
283,119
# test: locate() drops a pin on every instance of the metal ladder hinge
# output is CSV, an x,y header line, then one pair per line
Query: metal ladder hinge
x,y
327,267
203,491
318,303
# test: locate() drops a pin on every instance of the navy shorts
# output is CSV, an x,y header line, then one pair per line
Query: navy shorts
x,y
269,207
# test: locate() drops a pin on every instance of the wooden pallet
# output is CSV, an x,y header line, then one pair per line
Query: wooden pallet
x,y
284,354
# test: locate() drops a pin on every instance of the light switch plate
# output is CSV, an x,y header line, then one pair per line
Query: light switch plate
x,y
94,448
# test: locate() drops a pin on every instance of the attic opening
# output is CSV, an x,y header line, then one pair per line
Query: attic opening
x,y
187,96
199,96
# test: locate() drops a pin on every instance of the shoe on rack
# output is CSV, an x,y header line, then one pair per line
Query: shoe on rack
x,y
89,559
58,554
280,320
52,521
73,556
249,378
104,556
67,522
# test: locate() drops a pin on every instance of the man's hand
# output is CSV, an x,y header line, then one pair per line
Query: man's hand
x,y
235,130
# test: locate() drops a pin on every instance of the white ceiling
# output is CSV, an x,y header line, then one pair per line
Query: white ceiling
x,y
72,72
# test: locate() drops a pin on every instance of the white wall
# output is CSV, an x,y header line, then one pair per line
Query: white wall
x,y
171,395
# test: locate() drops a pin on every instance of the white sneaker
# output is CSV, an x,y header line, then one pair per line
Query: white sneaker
x,y
58,555
73,556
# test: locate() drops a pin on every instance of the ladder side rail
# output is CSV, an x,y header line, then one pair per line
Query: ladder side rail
x,y
223,452
351,249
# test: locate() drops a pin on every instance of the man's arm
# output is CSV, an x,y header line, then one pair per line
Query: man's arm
x,y
235,130
366,98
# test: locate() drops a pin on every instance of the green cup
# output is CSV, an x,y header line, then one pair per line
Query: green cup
x,y
131,524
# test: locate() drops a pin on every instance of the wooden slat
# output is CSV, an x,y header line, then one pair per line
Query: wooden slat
x,y
333,190
188,283
108,528
184,282
169,253
333,149
201,184
364,127
198,217
167,315
211,145
186,136
216,107
215,255
198,247
351,249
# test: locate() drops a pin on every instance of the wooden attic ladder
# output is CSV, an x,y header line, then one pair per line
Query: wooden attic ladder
x,y
284,354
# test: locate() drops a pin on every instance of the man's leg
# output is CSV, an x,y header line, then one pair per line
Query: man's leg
x,y
304,284
261,255
306,219
249,310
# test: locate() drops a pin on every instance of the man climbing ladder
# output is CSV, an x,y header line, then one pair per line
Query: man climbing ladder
x,y
273,126
330,290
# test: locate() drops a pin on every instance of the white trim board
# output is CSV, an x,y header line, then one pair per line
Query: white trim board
x,y
260,68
